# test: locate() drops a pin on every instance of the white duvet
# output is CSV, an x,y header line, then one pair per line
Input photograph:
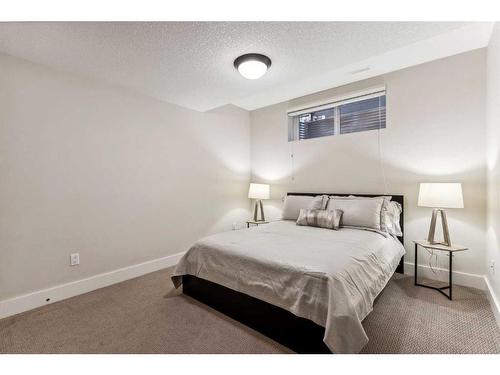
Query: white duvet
x,y
330,277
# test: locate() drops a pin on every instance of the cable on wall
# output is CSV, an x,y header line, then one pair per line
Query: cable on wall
x,y
433,255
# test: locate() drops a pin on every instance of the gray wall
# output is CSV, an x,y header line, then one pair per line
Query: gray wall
x,y
435,132
119,178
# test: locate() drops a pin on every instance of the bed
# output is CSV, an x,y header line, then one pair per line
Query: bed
x,y
282,280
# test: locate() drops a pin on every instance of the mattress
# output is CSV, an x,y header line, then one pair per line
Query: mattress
x,y
327,276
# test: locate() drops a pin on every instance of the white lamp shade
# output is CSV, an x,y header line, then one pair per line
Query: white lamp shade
x,y
258,191
441,195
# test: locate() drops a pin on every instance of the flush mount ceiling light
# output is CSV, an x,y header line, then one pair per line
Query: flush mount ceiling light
x,y
252,65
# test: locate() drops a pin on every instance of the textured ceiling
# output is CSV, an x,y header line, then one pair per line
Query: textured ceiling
x,y
190,63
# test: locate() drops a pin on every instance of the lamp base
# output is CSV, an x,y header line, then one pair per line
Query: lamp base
x,y
444,224
258,207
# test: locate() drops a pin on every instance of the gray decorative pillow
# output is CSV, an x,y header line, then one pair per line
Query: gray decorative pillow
x,y
320,218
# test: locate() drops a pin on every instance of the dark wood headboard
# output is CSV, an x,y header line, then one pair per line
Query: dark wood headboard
x,y
395,198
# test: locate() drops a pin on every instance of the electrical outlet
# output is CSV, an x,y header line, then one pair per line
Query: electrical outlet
x,y
74,259
235,226
492,266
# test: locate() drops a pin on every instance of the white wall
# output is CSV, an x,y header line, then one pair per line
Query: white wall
x,y
123,178
118,177
493,136
435,132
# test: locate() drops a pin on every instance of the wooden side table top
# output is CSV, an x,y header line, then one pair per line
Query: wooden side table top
x,y
439,246
257,222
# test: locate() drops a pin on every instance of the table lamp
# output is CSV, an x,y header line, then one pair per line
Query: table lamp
x,y
258,192
440,196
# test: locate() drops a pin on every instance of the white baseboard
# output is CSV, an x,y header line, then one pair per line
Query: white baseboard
x,y
39,298
460,278
494,302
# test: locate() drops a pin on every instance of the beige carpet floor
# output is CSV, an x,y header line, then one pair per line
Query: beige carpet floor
x,y
146,315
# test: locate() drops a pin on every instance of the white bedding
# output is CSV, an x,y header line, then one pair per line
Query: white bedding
x,y
330,277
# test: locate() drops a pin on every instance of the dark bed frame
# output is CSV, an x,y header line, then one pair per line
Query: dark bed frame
x,y
299,334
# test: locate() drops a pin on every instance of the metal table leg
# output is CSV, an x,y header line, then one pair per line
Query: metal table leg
x,y
416,258
439,289
451,271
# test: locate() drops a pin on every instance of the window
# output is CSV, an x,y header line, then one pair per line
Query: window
x,y
368,114
349,114
317,124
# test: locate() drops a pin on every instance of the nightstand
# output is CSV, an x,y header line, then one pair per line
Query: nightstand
x,y
451,250
257,223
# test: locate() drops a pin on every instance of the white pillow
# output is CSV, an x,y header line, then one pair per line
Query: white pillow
x,y
358,212
319,202
389,219
293,204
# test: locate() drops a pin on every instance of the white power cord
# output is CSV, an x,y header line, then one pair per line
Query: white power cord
x,y
432,255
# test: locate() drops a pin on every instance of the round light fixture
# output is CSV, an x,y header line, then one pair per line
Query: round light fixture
x,y
252,65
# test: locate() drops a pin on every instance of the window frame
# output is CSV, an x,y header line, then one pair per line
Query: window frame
x,y
333,103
